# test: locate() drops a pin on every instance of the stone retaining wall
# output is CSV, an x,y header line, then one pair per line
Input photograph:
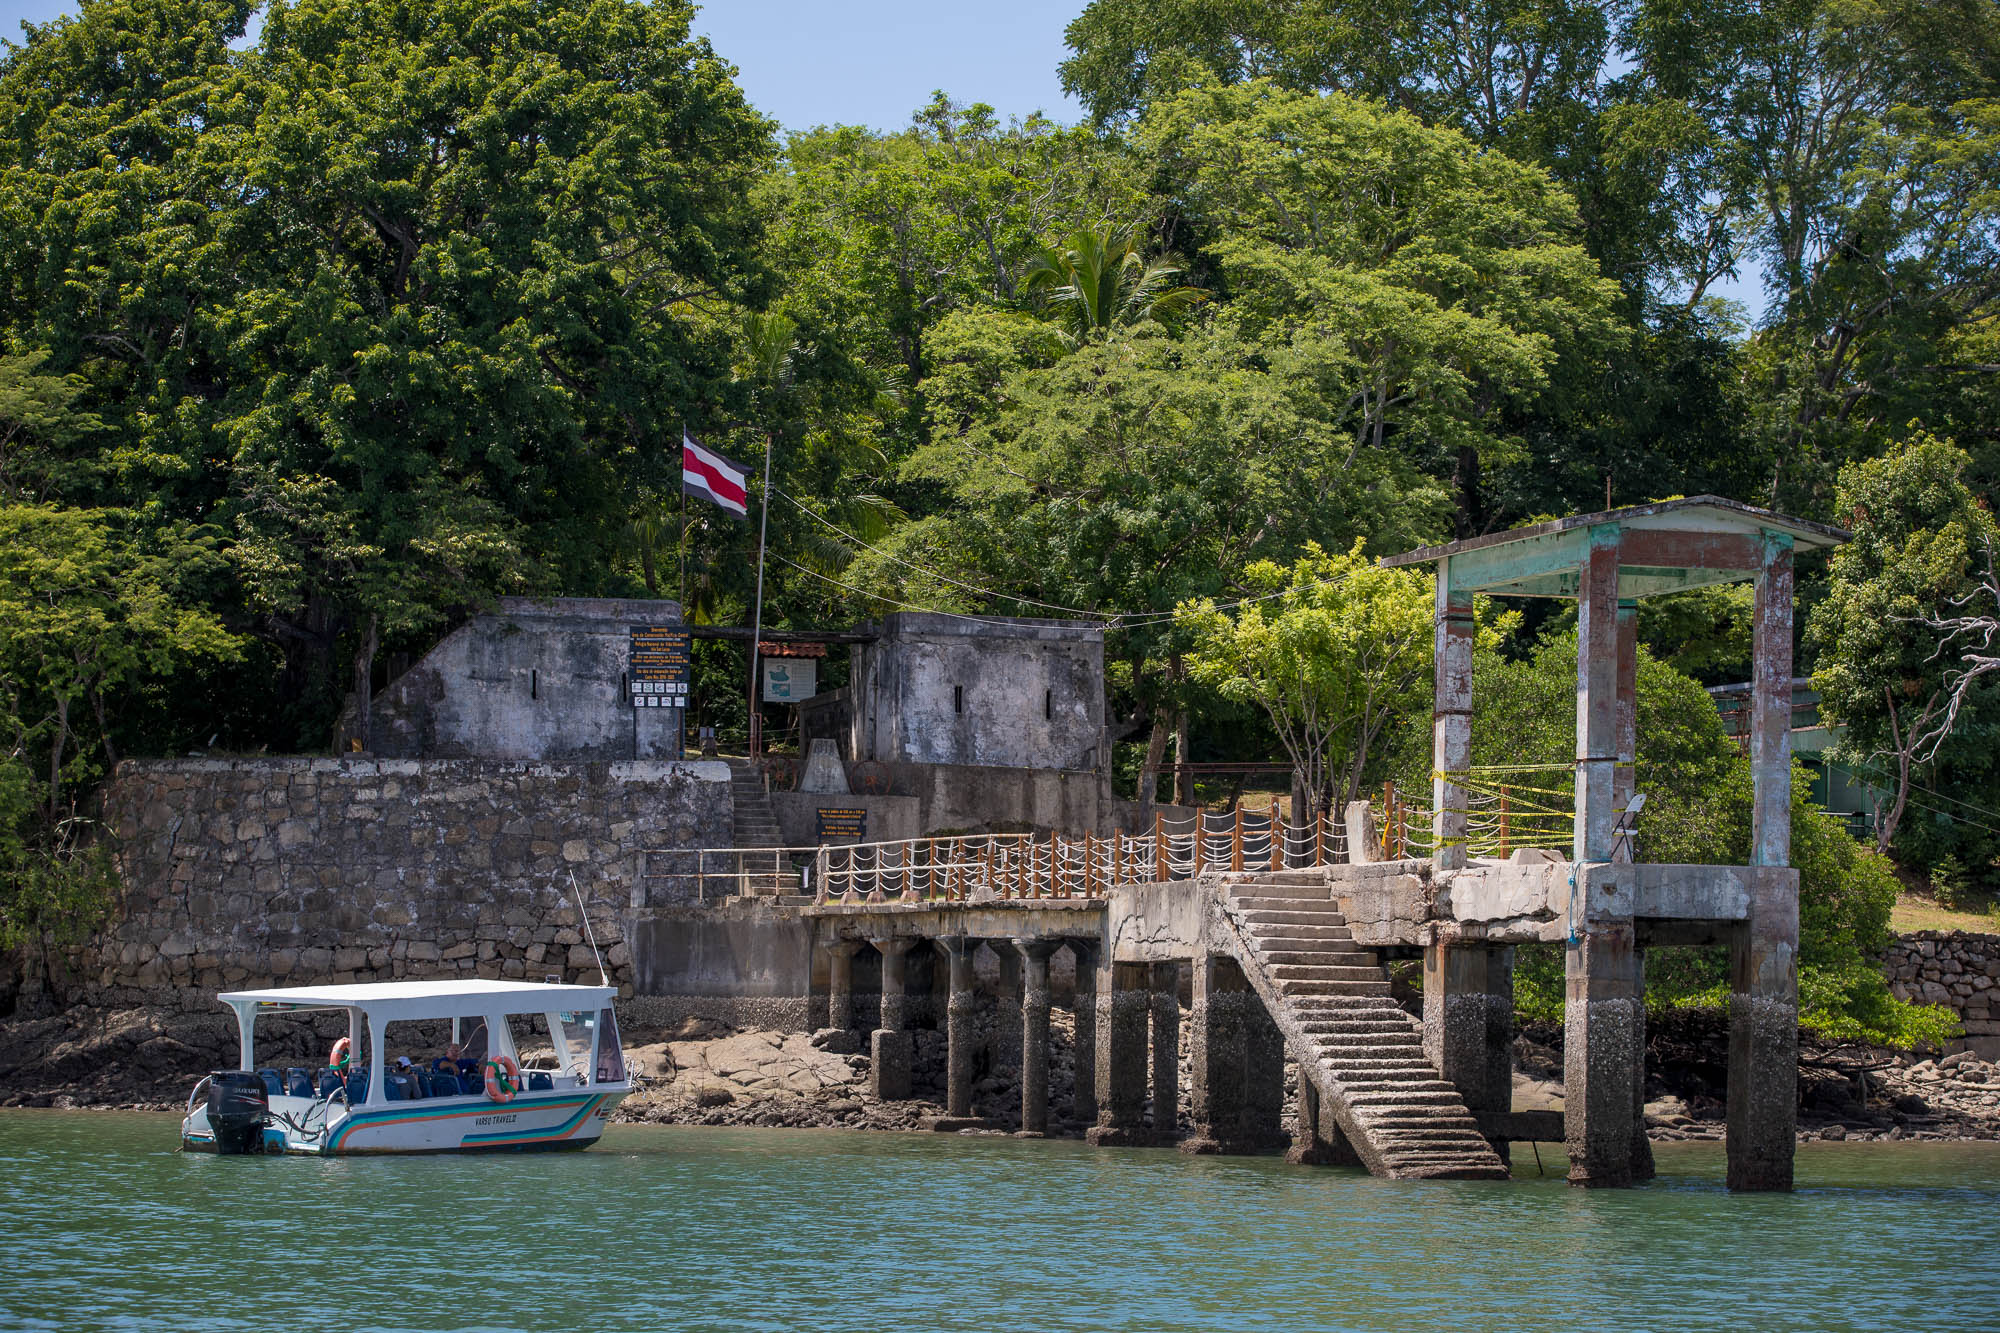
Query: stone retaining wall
x,y
1954,969
247,872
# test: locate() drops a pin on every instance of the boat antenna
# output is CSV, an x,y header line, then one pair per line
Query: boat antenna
x,y
603,977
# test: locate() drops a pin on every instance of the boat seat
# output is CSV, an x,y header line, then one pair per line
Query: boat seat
x,y
329,1079
357,1087
540,1082
444,1085
274,1086
397,1087
298,1083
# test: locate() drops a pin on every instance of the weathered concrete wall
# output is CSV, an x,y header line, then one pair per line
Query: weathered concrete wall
x,y
529,680
924,799
261,871
889,817
1957,970
937,689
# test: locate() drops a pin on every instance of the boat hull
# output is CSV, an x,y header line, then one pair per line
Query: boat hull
x,y
532,1122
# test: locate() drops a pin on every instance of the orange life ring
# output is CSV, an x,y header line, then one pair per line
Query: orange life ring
x,y
338,1055
503,1078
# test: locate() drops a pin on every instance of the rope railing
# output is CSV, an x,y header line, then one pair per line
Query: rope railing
x,y
1027,865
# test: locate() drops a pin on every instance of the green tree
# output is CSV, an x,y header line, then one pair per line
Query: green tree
x,y
1334,650
1430,285
1097,280
1921,541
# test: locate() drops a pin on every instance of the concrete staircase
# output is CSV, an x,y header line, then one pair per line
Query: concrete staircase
x,y
754,825
1363,1054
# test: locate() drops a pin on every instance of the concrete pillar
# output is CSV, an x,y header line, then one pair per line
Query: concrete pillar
x,y
1166,1007
1642,1145
1771,709
1217,1077
1455,1006
1451,720
891,1048
1317,1139
1121,1056
1034,955
1264,1076
960,1037
1469,1021
1005,1046
1624,776
1600,1034
840,983
1500,1032
1083,1104
1764,1035
1596,695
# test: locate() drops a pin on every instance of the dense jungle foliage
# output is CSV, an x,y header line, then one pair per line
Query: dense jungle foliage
x,y
312,343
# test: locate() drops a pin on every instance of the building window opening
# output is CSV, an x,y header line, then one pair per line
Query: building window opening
x,y
958,698
1048,705
534,684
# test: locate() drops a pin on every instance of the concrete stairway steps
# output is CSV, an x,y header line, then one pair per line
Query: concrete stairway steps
x,y
1362,1053
1319,971
1340,953
1324,910
1446,1097
1309,987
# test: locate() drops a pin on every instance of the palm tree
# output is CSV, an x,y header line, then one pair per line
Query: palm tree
x,y
1097,280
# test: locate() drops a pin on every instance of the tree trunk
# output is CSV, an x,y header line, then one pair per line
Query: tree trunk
x,y
364,682
1183,780
55,761
1149,772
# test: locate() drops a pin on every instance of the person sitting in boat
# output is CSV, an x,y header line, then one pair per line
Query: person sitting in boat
x,y
414,1082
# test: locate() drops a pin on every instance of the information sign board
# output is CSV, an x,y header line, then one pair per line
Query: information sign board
x,y
837,822
660,663
787,680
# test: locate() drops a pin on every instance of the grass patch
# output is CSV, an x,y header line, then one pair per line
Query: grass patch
x,y
1915,911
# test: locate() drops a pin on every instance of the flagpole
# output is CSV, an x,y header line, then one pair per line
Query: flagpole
x,y
757,621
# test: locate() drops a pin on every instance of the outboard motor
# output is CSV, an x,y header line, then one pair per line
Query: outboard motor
x,y
239,1106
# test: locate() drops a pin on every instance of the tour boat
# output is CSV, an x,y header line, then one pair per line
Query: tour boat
x,y
382,1090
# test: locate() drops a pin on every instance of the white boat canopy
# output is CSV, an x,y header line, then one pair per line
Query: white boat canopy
x,y
392,1001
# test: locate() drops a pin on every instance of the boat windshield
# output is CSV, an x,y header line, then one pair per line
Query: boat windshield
x,y
610,1056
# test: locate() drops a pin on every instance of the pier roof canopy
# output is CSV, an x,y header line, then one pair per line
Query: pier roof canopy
x,y
1662,547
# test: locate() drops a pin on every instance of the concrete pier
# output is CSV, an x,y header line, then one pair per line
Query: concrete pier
x,y
1166,1031
1034,955
1218,1076
891,1047
960,1038
1123,1012
1083,1107
1764,1036
840,983
1601,1034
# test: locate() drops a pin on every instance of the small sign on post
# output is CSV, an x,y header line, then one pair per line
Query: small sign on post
x,y
660,662
840,823
787,680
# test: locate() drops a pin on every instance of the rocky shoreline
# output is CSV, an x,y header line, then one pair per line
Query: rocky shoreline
x,y
706,1073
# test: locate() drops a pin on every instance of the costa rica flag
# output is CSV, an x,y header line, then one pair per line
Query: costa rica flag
x,y
712,477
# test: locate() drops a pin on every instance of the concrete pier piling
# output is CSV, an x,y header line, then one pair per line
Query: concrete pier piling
x,y
960,1037
840,983
1166,1062
1123,1010
1219,1076
1083,1107
1034,955
891,1047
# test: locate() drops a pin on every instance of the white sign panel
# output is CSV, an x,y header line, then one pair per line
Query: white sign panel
x,y
787,680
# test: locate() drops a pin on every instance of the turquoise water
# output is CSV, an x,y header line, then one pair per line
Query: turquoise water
x,y
659,1228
